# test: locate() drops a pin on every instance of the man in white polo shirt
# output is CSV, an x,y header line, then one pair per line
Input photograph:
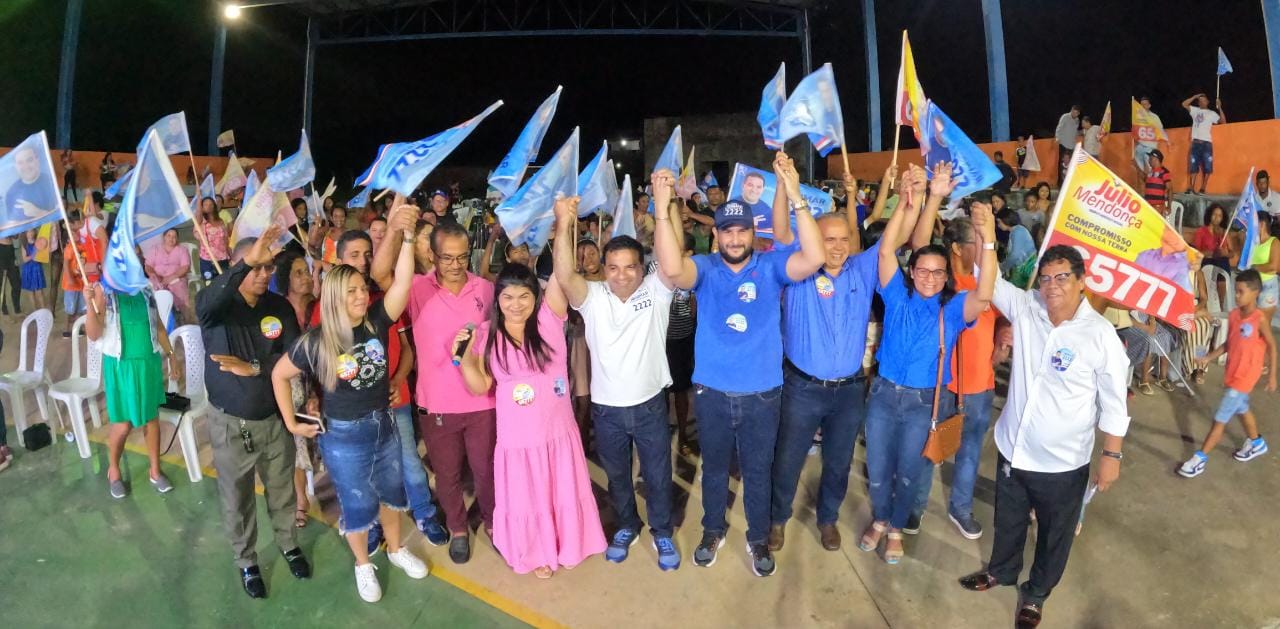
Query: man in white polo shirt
x,y
626,320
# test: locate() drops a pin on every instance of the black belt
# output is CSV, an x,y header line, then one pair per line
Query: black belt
x,y
835,382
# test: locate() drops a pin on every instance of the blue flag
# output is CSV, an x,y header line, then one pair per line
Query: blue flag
x,y
172,130
1247,212
672,157
402,166
159,202
941,140
507,176
205,189
251,184
773,97
755,188
294,172
121,269
814,109
28,187
624,219
710,181
118,185
595,182
528,215
360,200
1224,66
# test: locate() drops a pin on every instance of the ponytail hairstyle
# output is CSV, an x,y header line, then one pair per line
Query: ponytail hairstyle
x,y
534,350
333,337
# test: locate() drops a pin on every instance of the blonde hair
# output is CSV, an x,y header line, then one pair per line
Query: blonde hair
x,y
333,335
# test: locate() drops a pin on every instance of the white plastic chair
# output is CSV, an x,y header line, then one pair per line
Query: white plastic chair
x,y
1176,211
194,281
78,389
164,306
193,360
1217,309
17,383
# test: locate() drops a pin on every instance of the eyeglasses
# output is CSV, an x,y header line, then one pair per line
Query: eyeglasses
x,y
442,260
937,274
1059,279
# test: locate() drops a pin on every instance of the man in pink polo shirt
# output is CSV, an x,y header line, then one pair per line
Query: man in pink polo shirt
x,y
456,425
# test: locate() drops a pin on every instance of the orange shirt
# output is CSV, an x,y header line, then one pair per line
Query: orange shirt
x,y
972,357
1246,350
71,278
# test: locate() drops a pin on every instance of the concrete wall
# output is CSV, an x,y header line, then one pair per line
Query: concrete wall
x,y
728,138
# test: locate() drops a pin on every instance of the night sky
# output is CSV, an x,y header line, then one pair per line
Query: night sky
x,y
140,59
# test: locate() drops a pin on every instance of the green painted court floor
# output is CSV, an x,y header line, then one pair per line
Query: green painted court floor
x,y
70,555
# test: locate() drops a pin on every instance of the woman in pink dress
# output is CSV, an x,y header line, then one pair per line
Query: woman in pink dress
x,y
167,267
545,515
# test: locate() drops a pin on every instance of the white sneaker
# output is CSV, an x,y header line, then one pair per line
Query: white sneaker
x,y
367,583
1193,467
408,562
1251,450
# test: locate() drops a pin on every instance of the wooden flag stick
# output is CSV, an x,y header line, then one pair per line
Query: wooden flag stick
x,y
897,133
195,225
844,155
1217,92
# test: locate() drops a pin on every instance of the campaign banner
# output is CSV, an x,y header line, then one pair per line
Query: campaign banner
x,y
755,189
1132,256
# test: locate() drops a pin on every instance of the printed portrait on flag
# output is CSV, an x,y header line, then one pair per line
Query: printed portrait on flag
x,y
756,188
27,187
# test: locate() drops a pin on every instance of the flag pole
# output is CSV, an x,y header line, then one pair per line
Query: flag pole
x,y
1217,92
71,240
196,200
897,133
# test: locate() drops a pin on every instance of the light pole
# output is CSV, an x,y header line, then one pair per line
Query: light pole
x,y
230,12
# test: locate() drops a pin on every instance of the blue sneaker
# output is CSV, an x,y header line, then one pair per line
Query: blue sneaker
x,y
435,534
1194,465
621,545
375,539
668,556
1252,449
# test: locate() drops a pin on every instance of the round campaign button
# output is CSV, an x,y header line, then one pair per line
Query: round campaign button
x,y
270,327
347,367
373,351
523,394
747,292
736,322
825,287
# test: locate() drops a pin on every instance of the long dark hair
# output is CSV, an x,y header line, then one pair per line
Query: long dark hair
x,y
1222,216
948,289
536,352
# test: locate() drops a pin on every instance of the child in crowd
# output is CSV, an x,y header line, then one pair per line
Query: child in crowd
x,y
1020,154
1158,185
32,270
1249,343
72,278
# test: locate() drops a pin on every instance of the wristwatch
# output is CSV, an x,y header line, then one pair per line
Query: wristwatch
x,y
1115,455
802,206
257,367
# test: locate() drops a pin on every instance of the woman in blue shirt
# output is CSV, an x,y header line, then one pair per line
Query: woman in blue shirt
x,y
901,396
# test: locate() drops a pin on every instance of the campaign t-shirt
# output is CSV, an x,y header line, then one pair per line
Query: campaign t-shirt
x,y
1270,202
362,385
628,341
1202,120
738,345
909,348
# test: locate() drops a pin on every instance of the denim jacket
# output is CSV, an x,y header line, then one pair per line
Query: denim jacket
x,y
110,343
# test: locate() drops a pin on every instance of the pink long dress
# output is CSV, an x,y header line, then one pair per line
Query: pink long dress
x,y
175,262
545,512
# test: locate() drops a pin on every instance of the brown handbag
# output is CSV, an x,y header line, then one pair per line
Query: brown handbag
x,y
944,436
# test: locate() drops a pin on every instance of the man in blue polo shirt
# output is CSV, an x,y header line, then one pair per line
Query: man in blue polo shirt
x,y
737,353
824,336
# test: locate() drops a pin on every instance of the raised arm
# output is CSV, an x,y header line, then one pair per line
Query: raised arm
x,y
977,301
553,295
781,211
213,301
1186,104
671,261
882,195
404,219
939,188
385,258
565,267
903,221
805,262
1222,116
851,213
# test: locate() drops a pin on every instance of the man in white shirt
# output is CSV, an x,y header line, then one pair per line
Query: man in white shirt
x,y
1200,159
1068,126
626,319
1092,137
1068,380
1270,199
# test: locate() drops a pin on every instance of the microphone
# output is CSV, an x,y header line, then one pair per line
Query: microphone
x,y
466,345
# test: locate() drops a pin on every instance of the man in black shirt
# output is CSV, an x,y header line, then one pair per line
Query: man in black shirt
x,y
1007,176
246,329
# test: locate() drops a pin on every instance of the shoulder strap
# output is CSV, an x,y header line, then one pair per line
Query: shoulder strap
x,y
937,387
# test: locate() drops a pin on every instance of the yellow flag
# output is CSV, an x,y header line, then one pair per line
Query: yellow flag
x,y
1106,119
1146,125
910,95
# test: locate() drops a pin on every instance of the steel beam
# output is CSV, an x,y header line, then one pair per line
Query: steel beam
x,y
215,87
997,82
67,73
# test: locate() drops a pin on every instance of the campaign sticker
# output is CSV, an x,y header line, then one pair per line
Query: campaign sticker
x,y
560,387
271,327
522,394
825,287
737,323
1246,330
347,367
373,351
747,292
1062,359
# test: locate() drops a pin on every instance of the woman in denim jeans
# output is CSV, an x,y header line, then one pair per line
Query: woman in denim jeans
x,y
901,396
347,354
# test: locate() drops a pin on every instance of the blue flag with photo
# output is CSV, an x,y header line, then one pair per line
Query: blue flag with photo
x,y
295,171
814,109
624,219
402,166
507,176
1224,66
205,189
29,191
159,202
172,130
941,140
527,215
122,271
1247,213
672,157
595,182
755,189
772,98
360,200
709,181
251,184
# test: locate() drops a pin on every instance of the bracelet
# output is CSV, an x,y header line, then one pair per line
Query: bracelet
x,y
1115,455
989,246
662,218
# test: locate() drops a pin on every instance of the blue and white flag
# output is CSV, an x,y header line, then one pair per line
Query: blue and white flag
x,y
204,190
251,184
941,140
402,166
814,109
755,188
624,218
122,271
159,202
361,199
507,176
611,191
772,98
709,182
28,187
672,157
595,181
296,171
528,215
1224,66
1247,212
117,187
172,130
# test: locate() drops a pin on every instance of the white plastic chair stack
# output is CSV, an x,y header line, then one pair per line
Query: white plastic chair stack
x,y
1217,309
194,281
80,388
164,306
193,360
17,383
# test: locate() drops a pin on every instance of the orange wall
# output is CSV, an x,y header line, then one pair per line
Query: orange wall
x,y
87,163
1236,148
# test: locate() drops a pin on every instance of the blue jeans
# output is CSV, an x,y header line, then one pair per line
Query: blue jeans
x,y
643,426
977,417
745,423
897,427
415,476
363,459
807,406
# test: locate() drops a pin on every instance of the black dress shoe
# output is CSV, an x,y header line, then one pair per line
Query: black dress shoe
x,y
298,565
1029,616
252,580
460,549
978,581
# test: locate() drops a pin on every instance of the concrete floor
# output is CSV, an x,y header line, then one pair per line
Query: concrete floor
x,y
1157,551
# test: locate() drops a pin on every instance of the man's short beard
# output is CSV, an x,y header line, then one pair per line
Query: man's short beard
x,y
746,255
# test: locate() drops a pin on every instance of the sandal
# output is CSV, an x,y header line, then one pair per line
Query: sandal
x,y
1145,389
299,518
871,537
892,556
1166,385
543,572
